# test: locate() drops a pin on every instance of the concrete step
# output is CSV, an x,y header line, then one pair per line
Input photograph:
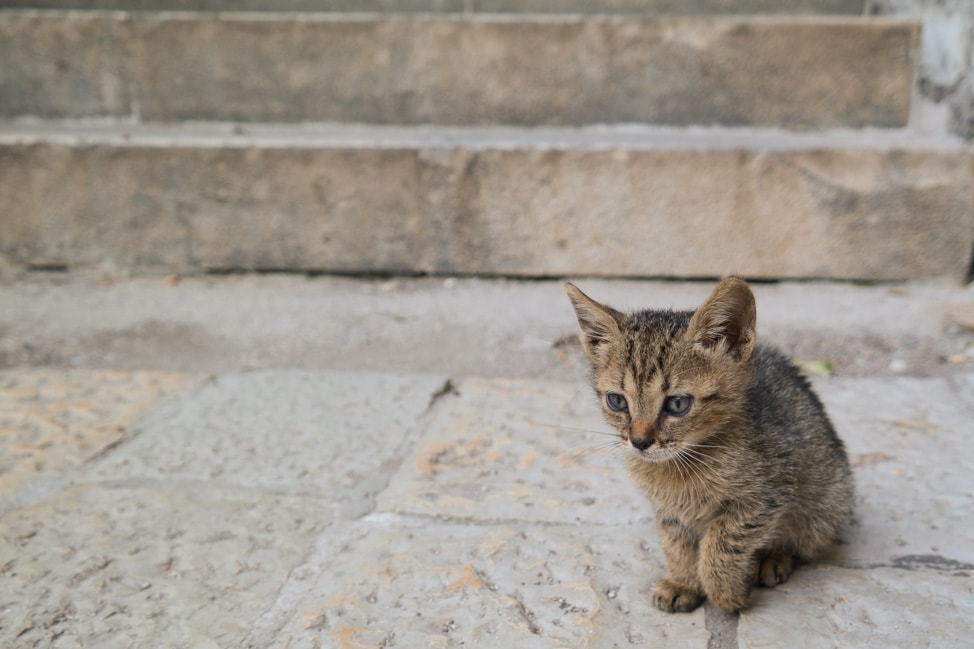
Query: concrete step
x,y
784,71
529,202
460,327
849,7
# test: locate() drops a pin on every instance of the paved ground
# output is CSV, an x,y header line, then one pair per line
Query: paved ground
x,y
321,462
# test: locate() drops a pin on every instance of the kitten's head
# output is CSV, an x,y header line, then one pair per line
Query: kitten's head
x,y
668,380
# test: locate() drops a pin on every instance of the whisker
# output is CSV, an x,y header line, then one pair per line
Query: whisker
x,y
573,429
701,475
693,452
706,446
578,454
696,458
694,462
685,463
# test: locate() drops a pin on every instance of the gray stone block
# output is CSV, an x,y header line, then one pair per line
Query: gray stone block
x,y
430,584
500,450
911,471
54,421
186,534
299,432
148,566
803,73
225,521
65,67
851,7
690,207
823,607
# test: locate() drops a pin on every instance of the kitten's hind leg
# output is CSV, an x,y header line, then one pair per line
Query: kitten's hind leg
x,y
774,568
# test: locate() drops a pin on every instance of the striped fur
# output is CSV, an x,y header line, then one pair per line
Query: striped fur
x,y
751,477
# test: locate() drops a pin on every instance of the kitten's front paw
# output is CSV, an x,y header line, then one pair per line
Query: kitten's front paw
x,y
775,569
676,598
731,600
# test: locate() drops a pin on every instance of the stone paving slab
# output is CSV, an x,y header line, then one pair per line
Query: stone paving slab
x,y
516,450
184,533
909,441
159,566
53,421
322,433
305,509
825,606
421,583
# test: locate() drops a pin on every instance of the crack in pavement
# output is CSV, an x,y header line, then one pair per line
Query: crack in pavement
x,y
917,562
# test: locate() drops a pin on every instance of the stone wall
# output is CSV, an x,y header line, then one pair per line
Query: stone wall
x,y
945,81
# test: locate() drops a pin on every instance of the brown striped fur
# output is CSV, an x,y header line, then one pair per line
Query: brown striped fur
x,y
751,476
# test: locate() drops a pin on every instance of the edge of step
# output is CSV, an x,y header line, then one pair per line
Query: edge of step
x,y
634,137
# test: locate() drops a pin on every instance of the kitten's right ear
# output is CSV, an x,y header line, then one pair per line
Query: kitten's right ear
x,y
726,321
599,323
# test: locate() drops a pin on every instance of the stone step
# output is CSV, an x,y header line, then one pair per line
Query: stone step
x,y
849,7
527,202
810,72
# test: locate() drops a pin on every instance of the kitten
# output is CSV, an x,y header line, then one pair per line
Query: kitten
x,y
725,437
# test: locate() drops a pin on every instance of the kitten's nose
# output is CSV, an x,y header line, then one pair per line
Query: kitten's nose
x,y
641,435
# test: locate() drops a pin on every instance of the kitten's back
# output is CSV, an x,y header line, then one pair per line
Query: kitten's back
x,y
805,460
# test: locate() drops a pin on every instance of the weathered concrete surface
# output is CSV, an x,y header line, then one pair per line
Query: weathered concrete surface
x,y
429,584
184,535
850,7
911,541
901,440
454,327
54,421
468,464
919,606
368,417
311,507
139,550
802,73
490,205
148,566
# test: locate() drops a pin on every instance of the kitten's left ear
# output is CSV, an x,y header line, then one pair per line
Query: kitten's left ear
x,y
727,320
599,323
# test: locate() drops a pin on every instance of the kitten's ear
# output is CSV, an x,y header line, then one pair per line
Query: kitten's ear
x,y
599,323
726,322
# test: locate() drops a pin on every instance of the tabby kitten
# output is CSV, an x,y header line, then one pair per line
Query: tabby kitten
x,y
726,438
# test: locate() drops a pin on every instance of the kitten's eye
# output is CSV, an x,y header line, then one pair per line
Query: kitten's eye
x,y
677,406
616,402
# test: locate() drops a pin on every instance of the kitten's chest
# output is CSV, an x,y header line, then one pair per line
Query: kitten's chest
x,y
693,502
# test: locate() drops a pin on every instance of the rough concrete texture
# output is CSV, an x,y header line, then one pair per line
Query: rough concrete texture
x,y
459,467
426,505
863,208
465,327
802,73
864,608
850,7
52,422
